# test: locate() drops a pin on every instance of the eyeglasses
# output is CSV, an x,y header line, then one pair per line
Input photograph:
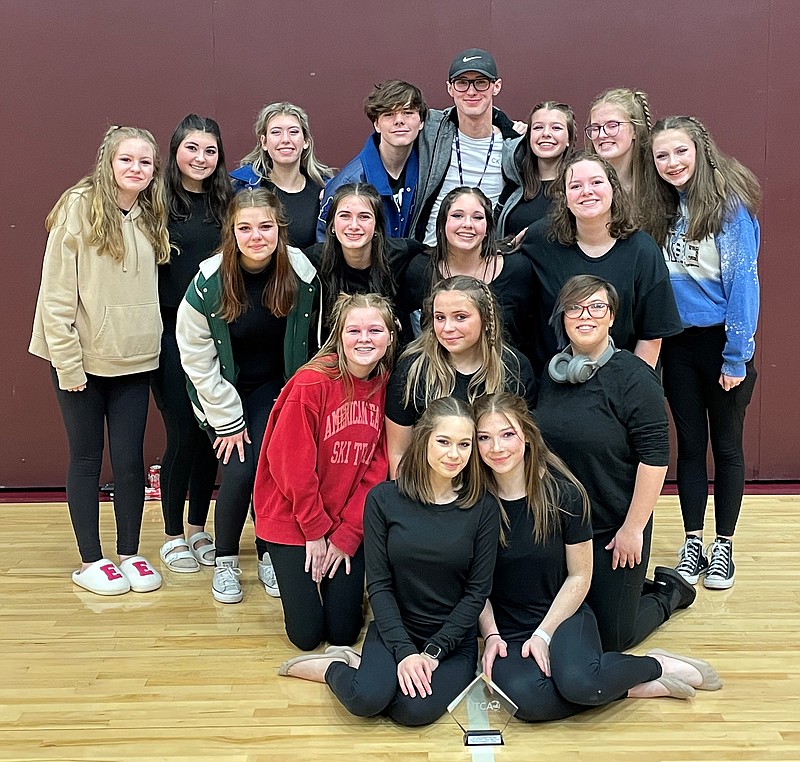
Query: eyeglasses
x,y
610,128
595,310
481,84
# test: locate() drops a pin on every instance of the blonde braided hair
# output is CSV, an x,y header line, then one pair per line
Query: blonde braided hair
x,y
431,373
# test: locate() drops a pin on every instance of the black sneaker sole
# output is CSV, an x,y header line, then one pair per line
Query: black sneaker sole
x,y
670,576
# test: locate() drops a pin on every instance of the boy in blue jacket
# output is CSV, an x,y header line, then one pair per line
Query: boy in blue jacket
x,y
389,159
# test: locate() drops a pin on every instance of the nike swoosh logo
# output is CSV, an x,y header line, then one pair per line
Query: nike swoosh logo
x,y
471,58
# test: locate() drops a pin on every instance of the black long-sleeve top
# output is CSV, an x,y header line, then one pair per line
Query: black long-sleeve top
x,y
513,288
429,568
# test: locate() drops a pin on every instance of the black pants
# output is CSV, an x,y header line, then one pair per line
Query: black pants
x,y
236,486
120,402
702,409
582,675
625,617
373,688
189,462
331,613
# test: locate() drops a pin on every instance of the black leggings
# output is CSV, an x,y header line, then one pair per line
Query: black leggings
x,y
582,675
625,616
332,612
189,462
120,402
236,486
373,688
701,408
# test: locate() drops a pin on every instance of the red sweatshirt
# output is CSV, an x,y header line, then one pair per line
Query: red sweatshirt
x,y
321,454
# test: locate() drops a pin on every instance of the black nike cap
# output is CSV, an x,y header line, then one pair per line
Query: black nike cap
x,y
473,59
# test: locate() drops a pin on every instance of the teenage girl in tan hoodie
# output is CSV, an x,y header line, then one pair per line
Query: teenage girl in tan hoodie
x,y
97,322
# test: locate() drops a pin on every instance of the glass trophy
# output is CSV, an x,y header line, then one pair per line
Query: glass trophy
x,y
483,712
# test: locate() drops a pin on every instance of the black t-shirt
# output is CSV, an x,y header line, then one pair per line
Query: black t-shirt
x,y
528,575
513,288
302,211
196,239
604,429
257,337
397,183
525,213
634,266
519,380
429,568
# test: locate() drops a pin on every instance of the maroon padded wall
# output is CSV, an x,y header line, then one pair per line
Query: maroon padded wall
x,y
67,70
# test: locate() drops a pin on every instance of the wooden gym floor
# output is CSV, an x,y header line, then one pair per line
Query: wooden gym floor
x,y
174,676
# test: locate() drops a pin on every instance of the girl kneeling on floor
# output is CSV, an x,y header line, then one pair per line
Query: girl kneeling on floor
x,y
460,353
324,449
430,540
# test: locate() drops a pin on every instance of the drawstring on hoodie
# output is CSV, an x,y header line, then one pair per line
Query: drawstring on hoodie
x,y
129,236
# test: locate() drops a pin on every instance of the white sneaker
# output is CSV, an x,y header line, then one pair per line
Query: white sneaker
x,y
226,587
266,573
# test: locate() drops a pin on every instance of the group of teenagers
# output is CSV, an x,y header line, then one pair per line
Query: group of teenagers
x,y
441,372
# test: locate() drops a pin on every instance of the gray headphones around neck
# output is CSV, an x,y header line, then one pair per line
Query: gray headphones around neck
x,y
578,369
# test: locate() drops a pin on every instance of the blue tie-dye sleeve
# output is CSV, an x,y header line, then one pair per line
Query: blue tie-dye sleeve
x,y
738,244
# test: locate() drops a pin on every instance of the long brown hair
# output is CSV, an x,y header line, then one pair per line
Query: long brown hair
x,y
563,227
529,167
332,262
413,475
719,182
439,253
280,293
216,187
543,488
